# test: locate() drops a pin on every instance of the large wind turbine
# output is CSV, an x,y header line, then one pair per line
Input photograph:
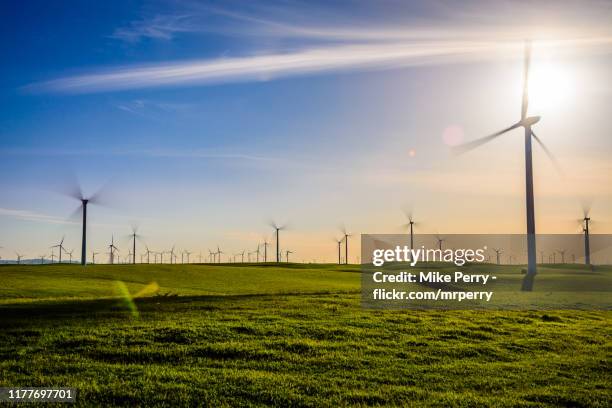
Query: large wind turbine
x,y
277,228
526,122
77,194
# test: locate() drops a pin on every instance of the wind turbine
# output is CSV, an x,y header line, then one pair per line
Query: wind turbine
x,y
585,228
277,228
346,237
148,253
42,259
287,255
112,248
172,256
440,241
19,256
498,251
188,254
339,242
70,254
526,122
242,256
265,245
257,252
410,226
562,253
61,247
134,235
219,252
211,256
77,194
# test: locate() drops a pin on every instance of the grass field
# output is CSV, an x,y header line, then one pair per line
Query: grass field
x,y
293,335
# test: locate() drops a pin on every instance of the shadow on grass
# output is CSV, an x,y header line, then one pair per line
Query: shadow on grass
x,y
24,314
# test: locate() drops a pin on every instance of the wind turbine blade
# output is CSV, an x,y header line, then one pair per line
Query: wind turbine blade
x,y
76,216
586,208
102,196
552,158
466,147
72,187
525,104
408,213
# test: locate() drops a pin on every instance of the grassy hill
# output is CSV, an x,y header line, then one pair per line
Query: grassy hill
x,y
289,335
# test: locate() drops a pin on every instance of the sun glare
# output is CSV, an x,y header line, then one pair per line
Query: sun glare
x,y
550,87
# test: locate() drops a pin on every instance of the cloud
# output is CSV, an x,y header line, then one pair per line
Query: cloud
x,y
262,67
34,216
160,27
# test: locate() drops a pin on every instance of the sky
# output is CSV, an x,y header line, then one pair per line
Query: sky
x,y
202,122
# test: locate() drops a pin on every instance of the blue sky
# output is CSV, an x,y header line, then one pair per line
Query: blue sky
x,y
203,120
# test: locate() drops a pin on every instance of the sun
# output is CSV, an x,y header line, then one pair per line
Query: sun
x,y
550,87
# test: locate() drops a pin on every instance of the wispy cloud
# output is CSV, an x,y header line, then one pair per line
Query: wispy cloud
x,y
387,55
196,153
161,27
33,216
324,39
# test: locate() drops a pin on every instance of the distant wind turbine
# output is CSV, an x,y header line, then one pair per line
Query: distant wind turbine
x,y
277,228
346,237
133,236
498,251
148,254
440,240
562,253
287,255
585,229
112,248
219,252
61,248
19,256
265,245
339,242
93,257
410,227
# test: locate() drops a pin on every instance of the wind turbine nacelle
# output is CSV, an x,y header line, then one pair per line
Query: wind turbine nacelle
x,y
530,121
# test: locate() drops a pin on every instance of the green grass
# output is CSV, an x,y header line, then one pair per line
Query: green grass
x,y
286,336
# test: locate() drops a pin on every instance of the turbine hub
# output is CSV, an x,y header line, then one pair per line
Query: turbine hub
x,y
530,121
